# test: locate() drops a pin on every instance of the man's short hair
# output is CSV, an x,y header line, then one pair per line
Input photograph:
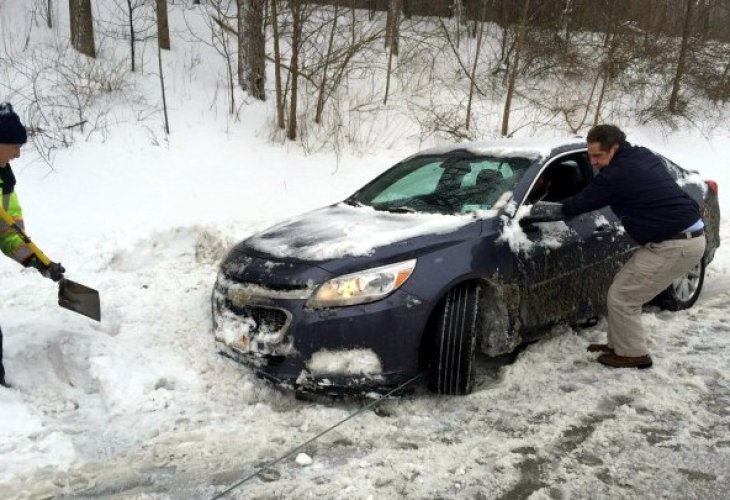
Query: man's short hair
x,y
607,135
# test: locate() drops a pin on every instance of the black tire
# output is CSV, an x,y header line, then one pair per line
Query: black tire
x,y
454,342
684,291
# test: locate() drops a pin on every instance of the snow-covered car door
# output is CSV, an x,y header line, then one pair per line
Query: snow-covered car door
x,y
548,264
606,247
577,258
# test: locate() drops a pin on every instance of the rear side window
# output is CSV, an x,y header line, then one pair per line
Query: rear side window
x,y
675,170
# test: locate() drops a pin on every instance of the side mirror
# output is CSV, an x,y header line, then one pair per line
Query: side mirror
x,y
543,211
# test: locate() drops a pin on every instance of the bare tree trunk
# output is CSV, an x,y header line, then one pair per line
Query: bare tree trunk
x,y
163,27
243,45
503,46
82,27
722,93
391,40
49,14
162,84
458,10
476,62
296,9
511,84
353,21
323,85
681,62
387,78
277,66
231,84
130,12
567,11
256,74
601,96
392,26
609,45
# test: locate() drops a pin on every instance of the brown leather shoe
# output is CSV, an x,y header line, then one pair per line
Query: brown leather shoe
x,y
599,348
615,361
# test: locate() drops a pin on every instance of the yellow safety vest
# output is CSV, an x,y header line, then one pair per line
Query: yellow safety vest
x,y
11,243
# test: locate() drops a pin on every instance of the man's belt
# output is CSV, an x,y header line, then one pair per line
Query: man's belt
x,y
688,235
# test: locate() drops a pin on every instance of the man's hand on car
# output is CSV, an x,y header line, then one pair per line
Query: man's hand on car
x,y
544,211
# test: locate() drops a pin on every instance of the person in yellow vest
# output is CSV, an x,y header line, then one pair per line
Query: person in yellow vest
x,y
12,137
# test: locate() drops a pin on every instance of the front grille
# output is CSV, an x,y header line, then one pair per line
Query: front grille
x,y
248,323
266,319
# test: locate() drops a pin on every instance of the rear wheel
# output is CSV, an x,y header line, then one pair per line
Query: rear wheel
x,y
684,291
452,356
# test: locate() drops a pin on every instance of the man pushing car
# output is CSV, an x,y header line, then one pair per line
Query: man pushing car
x,y
658,215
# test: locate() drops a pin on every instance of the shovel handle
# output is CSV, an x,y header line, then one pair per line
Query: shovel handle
x,y
32,246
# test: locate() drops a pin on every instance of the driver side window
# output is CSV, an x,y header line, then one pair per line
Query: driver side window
x,y
564,177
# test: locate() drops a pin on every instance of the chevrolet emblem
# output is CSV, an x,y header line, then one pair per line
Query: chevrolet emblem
x,y
238,297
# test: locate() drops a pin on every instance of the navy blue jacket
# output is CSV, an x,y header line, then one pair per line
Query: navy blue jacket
x,y
641,192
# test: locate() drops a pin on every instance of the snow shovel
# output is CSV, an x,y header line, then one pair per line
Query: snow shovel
x,y
71,295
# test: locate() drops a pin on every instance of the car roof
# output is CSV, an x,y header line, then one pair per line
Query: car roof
x,y
528,147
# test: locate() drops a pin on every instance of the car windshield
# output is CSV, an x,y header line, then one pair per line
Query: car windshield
x,y
446,184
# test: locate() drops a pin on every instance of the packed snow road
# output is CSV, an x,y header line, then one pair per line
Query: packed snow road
x,y
141,406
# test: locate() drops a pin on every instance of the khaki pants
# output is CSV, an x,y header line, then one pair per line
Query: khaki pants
x,y
649,271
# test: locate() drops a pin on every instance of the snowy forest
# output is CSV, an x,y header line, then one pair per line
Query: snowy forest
x,y
454,70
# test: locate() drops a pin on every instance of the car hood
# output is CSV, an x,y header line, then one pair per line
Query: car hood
x,y
341,238
241,266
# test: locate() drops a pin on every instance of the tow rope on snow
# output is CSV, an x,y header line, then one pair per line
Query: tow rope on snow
x,y
299,447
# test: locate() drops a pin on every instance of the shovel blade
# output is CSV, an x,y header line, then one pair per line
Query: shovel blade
x,y
79,298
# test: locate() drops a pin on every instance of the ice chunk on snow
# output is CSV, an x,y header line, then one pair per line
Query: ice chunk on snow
x,y
303,459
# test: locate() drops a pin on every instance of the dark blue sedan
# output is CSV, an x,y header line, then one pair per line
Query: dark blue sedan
x,y
442,256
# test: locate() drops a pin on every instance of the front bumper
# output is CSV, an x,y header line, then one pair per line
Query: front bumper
x,y
337,350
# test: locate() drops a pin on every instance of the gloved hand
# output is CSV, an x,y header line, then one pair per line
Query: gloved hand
x,y
53,271
544,211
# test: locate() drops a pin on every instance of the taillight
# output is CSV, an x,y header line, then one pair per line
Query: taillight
x,y
713,186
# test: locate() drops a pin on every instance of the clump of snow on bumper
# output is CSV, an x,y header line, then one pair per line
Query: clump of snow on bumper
x,y
230,328
345,362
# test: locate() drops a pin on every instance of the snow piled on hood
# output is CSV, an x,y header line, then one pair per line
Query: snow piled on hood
x,y
344,230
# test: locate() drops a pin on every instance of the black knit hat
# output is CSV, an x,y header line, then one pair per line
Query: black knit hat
x,y
11,130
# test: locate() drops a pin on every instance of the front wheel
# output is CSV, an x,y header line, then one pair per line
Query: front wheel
x,y
684,291
452,358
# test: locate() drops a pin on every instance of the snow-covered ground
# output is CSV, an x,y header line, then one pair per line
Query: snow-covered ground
x,y
141,406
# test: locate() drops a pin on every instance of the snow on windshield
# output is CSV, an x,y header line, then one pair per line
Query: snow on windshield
x,y
343,230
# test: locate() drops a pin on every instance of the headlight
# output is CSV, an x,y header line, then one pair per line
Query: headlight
x,y
362,287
